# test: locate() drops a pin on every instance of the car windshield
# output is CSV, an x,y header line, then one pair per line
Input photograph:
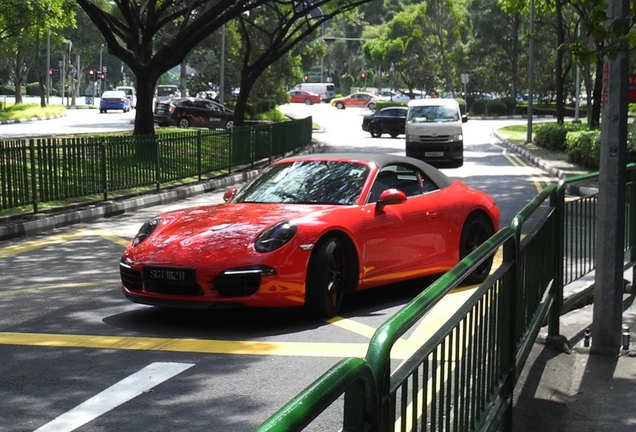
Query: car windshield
x,y
436,114
308,182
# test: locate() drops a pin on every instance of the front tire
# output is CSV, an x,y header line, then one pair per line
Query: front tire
x,y
476,231
184,122
375,130
328,274
340,105
308,102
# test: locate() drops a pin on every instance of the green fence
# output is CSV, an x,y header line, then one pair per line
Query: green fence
x,y
463,377
38,170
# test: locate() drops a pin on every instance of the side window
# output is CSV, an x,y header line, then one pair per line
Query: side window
x,y
385,179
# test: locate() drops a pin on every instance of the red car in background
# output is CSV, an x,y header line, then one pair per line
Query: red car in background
x,y
357,99
306,232
303,96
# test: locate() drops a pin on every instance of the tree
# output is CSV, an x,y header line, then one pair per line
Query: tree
x,y
151,37
272,30
403,46
23,26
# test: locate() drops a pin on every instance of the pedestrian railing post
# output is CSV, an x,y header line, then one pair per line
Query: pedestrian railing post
x,y
557,202
34,173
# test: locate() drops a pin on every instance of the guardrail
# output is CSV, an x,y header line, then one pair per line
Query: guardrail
x,y
37,170
463,377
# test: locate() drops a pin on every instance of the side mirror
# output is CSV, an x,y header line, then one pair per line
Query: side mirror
x,y
464,118
229,194
390,197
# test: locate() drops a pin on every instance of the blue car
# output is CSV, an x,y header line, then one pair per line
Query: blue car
x,y
114,100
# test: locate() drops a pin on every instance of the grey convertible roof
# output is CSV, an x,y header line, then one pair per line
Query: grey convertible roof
x,y
381,160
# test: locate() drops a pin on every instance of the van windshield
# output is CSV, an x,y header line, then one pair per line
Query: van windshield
x,y
433,114
166,91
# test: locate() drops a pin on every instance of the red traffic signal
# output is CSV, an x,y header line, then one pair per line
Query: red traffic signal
x,y
305,78
50,72
363,75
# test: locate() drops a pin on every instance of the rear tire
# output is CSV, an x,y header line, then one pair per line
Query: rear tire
x,y
308,102
340,105
184,122
375,130
328,275
476,231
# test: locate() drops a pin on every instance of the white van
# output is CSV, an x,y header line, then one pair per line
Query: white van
x,y
434,132
327,91
131,94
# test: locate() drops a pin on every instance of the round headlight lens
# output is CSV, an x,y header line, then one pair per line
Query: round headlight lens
x,y
146,229
275,236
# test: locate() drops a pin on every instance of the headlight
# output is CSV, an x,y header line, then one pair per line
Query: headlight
x,y
146,229
275,236
457,137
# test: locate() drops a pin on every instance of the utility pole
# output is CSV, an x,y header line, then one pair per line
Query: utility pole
x,y
610,222
530,73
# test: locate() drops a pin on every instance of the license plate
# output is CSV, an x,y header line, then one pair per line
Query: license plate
x,y
169,275
434,154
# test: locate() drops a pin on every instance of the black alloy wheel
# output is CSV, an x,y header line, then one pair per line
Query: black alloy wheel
x,y
476,231
327,278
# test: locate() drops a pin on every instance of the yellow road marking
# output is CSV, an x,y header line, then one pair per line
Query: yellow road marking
x,y
32,245
59,286
297,349
402,349
539,181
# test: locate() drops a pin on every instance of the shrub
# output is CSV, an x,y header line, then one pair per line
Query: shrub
x,y
478,107
463,107
551,136
33,89
496,108
511,105
8,90
584,147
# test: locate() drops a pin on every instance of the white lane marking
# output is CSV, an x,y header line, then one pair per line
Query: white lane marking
x,y
123,391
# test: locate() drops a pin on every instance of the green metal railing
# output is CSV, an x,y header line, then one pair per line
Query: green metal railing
x,y
463,377
38,170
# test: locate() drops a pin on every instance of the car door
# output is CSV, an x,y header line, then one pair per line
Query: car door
x,y
406,240
394,121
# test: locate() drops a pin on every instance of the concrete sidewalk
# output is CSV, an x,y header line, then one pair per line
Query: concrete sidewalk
x,y
568,388
574,390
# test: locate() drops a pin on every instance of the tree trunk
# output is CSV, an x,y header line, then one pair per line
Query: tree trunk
x,y
594,114
558,72
144,123
18,76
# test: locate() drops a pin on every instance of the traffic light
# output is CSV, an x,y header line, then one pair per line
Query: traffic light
x,y
91,74
50,72
363,75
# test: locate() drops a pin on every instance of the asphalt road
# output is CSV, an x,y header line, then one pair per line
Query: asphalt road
x,y
78,356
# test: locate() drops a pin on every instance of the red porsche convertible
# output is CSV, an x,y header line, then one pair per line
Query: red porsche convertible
x,y
308,231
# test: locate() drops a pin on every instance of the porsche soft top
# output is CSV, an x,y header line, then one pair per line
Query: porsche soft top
x,y
381,160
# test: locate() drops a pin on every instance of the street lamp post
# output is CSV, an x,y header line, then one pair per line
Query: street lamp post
x,y
101,67
70,44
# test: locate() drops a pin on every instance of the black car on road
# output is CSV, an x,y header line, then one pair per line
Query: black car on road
x,y
390,120
193,112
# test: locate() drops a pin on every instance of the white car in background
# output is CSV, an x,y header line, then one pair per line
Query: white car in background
x,y
388,96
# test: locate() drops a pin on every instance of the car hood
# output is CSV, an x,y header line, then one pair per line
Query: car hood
x,y
210,230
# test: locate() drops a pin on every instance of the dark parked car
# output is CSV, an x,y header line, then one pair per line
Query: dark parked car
x,y
389,120
193,112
